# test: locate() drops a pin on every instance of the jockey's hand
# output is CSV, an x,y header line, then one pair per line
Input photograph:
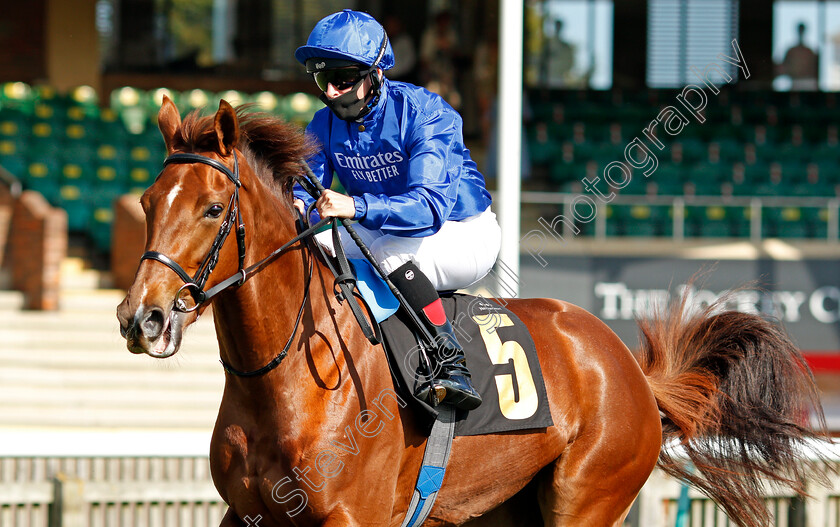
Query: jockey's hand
x,y
300,206
333,204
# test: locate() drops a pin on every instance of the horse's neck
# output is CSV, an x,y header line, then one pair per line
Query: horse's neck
x,y
255,321
258,316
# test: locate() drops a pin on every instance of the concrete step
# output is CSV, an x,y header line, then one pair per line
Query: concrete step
x,y
76,274
87,359
174,398
70,368
139,416
10,301
112,379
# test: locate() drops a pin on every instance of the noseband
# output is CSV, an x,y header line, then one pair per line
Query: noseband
x,y
195,284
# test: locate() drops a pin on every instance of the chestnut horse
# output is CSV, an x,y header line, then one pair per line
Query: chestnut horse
x,y
319,438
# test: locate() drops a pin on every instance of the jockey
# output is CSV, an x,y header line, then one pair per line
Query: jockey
x,y
420,202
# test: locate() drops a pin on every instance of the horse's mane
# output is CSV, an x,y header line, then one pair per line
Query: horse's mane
x,y
273,147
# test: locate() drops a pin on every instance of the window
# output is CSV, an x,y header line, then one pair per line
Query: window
x,y
806,45
688,33
215,37
569,44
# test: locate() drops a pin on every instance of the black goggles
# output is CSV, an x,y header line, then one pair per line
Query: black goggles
x,y
341,79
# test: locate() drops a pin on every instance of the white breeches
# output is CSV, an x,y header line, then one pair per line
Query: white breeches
x,y
460,254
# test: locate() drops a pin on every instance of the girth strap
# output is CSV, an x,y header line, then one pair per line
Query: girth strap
x,y
433,467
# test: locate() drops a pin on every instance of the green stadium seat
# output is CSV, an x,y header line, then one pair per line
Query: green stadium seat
x,y
542,150
234,97
144,164
816,220
17,95
824,152
819,189
731,150
110,126
706,187
80,139
196,99
756,173
267,101
129,104
560,172
14,124
638,184
584,151
43,175
638,220
46,113
794,171
12,158
110,178
48,95
689,152
615,226
102,217
791,153
828,171
300,107
139,179
563,132
153,100
71,199
667,186
773,189
784,222
709,222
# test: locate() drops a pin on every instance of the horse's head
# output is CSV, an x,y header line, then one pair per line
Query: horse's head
x,y
187,208
216,172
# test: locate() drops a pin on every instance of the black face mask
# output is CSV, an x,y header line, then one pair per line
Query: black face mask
x,y
348,106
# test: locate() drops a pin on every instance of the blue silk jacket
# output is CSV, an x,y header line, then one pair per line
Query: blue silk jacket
x,y
405,164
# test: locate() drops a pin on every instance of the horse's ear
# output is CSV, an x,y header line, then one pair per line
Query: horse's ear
x,y
168,121
227,128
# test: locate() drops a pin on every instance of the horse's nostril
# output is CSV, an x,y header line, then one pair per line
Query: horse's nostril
x,y
152,324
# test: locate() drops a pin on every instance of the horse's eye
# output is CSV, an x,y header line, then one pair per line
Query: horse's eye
x,y
214,211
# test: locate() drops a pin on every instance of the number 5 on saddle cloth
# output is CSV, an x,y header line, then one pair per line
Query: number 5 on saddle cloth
x,y
499,349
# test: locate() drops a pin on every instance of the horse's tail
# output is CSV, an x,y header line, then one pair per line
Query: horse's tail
x,y
737,395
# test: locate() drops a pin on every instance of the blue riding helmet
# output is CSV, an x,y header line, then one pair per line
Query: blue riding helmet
x,y
348,35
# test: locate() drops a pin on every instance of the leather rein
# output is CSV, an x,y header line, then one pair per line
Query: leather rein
x,y
195,285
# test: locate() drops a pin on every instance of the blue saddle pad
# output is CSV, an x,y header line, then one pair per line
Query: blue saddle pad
x,y
374,290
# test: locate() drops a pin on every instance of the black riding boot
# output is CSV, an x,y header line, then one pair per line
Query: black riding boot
x,y
452,383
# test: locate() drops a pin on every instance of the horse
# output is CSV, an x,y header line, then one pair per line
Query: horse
x,y
309,431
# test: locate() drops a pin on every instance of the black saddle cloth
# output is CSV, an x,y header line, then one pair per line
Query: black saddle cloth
x,y
501,358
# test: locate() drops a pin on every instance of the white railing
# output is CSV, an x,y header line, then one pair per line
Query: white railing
x,y
679,204
162,479
107,479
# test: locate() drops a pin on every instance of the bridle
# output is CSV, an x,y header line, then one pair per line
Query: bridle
x,y
195,285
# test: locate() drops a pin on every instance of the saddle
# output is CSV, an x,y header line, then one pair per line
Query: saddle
x,y
499,349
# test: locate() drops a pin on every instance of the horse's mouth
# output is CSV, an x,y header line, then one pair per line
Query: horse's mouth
x,y
165,345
